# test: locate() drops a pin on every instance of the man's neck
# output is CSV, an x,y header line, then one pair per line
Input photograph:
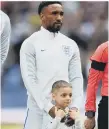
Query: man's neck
x,y
48,33
54,32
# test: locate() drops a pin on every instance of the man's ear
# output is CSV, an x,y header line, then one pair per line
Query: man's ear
x,y
42,17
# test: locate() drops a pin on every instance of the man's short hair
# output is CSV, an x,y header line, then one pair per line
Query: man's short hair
x,y
46,3
60,84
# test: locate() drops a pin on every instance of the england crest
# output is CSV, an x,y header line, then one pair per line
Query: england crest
x,y
67,50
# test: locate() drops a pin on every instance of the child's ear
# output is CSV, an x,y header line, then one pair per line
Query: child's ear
x,y
53,96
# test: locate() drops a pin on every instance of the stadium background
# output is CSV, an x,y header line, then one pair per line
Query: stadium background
x,y
84,22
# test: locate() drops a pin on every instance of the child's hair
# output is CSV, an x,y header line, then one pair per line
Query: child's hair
x,y
60,84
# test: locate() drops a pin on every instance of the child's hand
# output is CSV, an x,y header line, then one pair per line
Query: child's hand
x,y
59,112
74,114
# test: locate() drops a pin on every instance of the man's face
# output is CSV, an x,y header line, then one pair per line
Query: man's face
x,y
52,17
63,97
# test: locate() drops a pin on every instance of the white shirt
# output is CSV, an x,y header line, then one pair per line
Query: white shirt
x,y
56,124
46,57
5,31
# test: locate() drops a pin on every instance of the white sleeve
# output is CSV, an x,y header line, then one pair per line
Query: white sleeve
x,y
76,79
5,36
54,123
78,124
29,74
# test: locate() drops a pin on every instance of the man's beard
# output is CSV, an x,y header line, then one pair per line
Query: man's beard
x,y
54,29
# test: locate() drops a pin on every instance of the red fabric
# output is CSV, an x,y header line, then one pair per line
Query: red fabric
x,y
100,55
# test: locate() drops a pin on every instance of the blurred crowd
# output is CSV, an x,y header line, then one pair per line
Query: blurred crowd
x,y
84,22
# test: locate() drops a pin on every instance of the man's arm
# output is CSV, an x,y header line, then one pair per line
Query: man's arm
x,y
29,74
5,36
76,79
99,60
92,86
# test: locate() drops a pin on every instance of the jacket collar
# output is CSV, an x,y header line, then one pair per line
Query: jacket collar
x,y
48,34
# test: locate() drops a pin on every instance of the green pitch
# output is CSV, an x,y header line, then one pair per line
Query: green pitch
x,y
11,126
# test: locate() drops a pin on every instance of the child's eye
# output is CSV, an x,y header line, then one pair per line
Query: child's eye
x,y
63,95
70,95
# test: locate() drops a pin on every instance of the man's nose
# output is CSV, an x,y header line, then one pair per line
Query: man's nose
x,y
59,18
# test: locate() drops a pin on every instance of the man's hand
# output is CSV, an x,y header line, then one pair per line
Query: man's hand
x,y
52,112
89,123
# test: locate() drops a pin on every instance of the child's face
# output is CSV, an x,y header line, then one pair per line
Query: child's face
x,y
63,97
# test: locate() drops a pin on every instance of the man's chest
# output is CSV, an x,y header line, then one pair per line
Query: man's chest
x,y
53,53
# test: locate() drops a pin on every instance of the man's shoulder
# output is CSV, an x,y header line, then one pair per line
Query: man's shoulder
x,y
67,38
29,42
103,46
32,38
101,53
69,41
5,21
4,15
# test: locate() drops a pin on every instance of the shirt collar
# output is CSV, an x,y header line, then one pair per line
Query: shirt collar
x,y
48,33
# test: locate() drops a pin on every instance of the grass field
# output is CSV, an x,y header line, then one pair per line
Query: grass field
x,y
11,126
